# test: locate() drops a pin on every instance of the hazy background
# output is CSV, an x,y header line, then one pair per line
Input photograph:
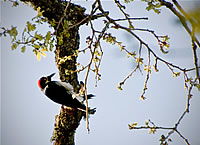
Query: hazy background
x,y
27,116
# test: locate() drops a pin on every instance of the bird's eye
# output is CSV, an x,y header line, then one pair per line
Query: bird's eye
x,y
44,79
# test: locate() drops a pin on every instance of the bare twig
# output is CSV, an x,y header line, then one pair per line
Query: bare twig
x,y
121,7
144,18
180,16
61,19
185,139
97,42
148,69
194,47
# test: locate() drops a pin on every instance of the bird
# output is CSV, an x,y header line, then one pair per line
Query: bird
x,y
62,93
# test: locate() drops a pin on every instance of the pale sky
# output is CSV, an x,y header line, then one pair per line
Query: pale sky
x,y
27,116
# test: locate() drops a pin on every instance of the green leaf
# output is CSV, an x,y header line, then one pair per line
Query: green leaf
x,y
38,36
139,60
68,35
67,24
31,27
97,53
39,12
51,45
153,5
157,11
36,46
119,88
32,40
23,49
15,4
197,86
128,1
131,26
60,40
14,46
133,54
48,36
13,32
53,22
176,74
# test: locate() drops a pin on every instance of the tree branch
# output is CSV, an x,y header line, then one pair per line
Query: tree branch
x,y
181,17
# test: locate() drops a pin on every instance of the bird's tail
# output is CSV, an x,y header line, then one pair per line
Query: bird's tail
x,y
90,112
89,96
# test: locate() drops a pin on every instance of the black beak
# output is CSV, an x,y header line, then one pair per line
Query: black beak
x,y
50,76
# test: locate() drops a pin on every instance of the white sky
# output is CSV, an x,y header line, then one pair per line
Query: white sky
x,y
27,116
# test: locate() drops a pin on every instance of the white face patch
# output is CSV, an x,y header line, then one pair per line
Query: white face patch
x,y
44,90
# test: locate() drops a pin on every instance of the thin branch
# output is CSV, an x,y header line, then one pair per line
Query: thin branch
x,y
137,37
140,51
149,49
121,7
189,95
194,48
181,18
88,18
149,127
182,11
161,42
185,139
91,60
144,18
85,84
191,69
61,19
97,66
148,69
129,75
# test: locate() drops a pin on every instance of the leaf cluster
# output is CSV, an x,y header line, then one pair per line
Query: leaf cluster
x,y
153,5
12,32
40,43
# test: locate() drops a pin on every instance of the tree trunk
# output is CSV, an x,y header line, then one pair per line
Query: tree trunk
x,y
64,16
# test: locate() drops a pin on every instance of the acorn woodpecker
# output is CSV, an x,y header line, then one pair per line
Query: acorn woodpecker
x,y
62,93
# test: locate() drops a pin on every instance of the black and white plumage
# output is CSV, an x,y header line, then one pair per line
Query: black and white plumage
x,y
62,93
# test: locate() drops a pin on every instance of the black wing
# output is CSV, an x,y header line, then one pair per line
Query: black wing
x,y
58,94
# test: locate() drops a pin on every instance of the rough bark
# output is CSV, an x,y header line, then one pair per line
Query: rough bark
x,y
67,44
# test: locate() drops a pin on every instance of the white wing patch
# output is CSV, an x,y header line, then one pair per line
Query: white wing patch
x,y
79,98
69,88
